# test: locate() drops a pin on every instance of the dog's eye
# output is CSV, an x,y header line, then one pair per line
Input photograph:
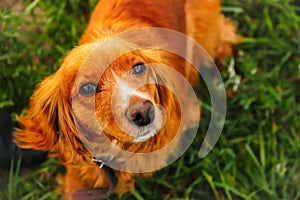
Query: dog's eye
x,y
139,68
88,89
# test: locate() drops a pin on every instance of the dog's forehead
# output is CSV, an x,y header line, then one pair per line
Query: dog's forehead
x,y
108,59
95,67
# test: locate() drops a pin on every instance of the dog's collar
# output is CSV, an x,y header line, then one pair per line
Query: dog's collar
x,y
98,193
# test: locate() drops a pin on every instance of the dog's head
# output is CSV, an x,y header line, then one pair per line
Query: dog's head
x,y
129,98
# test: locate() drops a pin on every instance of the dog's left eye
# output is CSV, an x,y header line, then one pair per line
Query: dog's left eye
x,y
88,89
139,68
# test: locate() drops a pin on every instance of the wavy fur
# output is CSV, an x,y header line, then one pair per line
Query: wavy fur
x,y
49,123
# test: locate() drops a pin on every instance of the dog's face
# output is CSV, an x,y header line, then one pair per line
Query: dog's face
x,y
129,99
124,96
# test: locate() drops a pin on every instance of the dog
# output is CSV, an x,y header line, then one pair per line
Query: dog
x,y
66,110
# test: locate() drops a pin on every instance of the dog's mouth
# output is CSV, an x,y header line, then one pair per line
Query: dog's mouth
x,y
144,136
141,120
145,120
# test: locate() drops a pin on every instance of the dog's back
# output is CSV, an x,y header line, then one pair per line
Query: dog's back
x,y
200,20
122,15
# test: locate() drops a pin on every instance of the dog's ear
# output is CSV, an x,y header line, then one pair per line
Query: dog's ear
x,y
48,110
48,124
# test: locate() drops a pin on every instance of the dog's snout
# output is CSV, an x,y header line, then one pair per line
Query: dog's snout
x,y
141,112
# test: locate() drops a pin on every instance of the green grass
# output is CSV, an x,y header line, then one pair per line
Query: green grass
x,y
38,183
257,155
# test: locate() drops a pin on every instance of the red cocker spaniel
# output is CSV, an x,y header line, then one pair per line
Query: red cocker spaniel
x,y
122,95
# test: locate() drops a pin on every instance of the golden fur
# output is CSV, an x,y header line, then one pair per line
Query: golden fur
x,y
49,124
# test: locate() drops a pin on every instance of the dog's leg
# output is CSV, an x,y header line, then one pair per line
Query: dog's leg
x,y
215,33
228,38
203,23
72,182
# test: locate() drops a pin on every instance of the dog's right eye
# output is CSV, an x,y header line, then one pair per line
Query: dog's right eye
x,y
89,89
139,68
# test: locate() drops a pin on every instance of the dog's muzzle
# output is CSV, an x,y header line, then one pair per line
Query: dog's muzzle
x,y
141,113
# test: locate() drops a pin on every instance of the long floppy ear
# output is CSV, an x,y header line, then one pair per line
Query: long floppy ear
x,y
48,117
48,124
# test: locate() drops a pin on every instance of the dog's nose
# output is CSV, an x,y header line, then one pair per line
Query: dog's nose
x,y
141,112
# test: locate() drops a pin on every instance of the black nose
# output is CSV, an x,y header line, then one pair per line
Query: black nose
x,y
141,113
